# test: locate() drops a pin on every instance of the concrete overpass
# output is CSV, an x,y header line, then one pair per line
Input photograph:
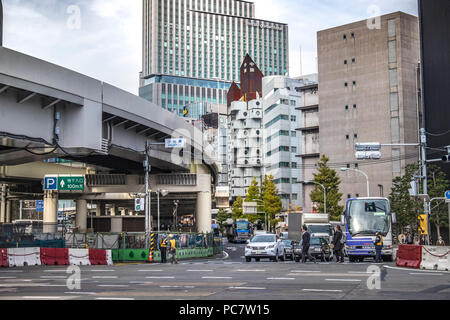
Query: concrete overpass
x,y
48,111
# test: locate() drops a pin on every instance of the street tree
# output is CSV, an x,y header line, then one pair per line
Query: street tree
x,y
222,216
406,208
437,185
330,180
236,208
271,199
254,195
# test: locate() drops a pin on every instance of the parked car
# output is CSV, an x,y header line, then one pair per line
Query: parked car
x,y
289,248
284,235
319,248
265,246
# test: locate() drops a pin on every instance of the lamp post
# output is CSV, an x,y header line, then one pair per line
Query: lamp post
x,y
367,178
324,193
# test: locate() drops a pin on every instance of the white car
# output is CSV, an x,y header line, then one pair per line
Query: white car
x,y
265,246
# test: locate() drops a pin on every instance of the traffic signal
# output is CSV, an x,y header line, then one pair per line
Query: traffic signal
x,y
423,224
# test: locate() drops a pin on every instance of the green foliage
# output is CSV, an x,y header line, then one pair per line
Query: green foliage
x,y
406,209
236,208
272,201
222,216
330,180
254,195
437,186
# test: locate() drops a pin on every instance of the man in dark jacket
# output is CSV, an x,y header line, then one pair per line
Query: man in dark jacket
x,y
337,245
306,238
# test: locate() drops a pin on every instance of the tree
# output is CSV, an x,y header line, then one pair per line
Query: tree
x,y
254,195
437,185
406,208
330,180
271,199
236,208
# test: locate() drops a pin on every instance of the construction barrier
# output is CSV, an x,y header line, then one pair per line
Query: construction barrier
x,y
20,257
55,256
97,257
409,256
109,260
79,257
435,258
142,254
3,257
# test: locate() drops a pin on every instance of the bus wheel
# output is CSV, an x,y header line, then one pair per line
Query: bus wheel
x,y
352,259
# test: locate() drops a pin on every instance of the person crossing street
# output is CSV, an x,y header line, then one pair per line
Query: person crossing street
x,y
337,245
306,238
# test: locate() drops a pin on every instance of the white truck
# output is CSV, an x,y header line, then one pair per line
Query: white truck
x,y
318,225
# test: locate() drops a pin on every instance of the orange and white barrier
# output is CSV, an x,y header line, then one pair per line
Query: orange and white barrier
x,y
435,258
79,257
20,257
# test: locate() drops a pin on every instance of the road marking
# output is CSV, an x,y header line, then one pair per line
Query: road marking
x,y
168,277
55,271
100,270
104,277
255,270
280,278
114,298
141,282
321,290
53,277
247,288
409,269
185,287
87,293
360,272
199,270
40,297
113,285
424,273
8,277
156,270
217,277
347,280
305,271
11,271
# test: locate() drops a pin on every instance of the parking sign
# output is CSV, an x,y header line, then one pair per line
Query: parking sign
x,y
50,183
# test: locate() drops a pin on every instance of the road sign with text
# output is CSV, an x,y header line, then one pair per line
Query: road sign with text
x,y
71,183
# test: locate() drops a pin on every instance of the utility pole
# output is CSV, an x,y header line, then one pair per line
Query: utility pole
x,y
147,194
423,145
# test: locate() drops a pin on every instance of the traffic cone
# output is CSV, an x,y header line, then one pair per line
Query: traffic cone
x,y
150,257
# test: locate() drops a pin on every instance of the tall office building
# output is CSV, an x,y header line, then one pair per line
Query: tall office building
x,y
192,49
368,93
282,142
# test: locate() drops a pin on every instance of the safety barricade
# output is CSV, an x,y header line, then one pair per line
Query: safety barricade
x,y
97,257
3,257
79,257
435,258
55,256
109,260
409,256
20,257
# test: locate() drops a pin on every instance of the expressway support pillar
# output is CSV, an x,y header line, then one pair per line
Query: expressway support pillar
x,y
203,212
8,211
116,224
3,204
81,217
113,211
50,211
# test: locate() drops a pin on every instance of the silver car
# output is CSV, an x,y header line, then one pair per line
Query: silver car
x,y
263,246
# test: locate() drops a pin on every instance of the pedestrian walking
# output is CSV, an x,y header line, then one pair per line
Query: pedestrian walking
x,y
338,245
163,248
409,238
378,246
306,238
173,250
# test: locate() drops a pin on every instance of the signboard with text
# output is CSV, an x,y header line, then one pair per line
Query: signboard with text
x,y
64,183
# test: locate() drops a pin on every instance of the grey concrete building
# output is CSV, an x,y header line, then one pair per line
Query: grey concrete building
x,y
367,88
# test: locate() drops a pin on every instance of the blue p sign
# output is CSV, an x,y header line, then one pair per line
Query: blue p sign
x,y
51,183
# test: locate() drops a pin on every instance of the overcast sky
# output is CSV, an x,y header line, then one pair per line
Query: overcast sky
x,y
105,43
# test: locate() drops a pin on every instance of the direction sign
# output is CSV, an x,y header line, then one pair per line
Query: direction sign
x,y
175,143
368,155
368,146
71,183
40,206
447,196
50,183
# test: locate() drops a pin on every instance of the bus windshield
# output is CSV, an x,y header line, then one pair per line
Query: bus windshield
x,y
366,217
242,226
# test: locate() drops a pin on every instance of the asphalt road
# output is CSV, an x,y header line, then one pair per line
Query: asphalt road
x,y
225,278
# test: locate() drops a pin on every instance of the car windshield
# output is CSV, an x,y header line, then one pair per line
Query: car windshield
x,y
264,238
315,242
366,217
320,229
287,242
242,225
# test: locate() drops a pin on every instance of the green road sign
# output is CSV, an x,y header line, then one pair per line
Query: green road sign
x,y
68,183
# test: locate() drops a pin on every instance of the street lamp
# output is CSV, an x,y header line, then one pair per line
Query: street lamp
x,y
367,178
163,193
324,193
